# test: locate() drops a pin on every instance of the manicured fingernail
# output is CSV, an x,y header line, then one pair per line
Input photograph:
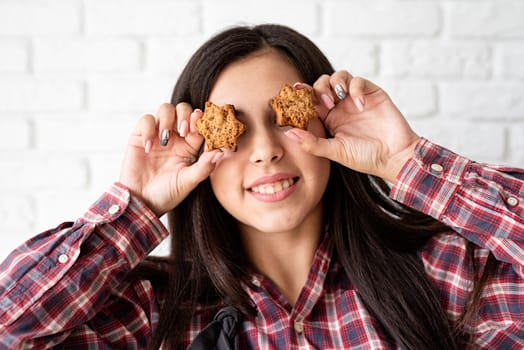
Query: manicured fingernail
x,y
328,102
293,135
165,137
298,85
184,128
359,102
147,147
339,90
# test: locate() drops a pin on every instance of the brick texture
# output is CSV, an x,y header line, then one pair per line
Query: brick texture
x,y
75,76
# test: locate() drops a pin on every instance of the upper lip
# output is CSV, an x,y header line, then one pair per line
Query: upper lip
x,y
264,180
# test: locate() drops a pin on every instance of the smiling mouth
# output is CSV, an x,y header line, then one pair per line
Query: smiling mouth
x,y
274,187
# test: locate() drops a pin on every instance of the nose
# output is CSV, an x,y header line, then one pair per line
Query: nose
x,y
265,147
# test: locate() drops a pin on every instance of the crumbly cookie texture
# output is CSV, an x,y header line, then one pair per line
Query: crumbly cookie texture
x,y
293,107
220,127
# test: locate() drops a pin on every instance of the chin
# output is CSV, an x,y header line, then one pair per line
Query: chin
x,y
273,226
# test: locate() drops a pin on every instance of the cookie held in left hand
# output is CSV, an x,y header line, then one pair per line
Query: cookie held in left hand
x,y
293,107
220,127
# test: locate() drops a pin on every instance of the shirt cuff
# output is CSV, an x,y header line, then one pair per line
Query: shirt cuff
x,y
126,223
430,178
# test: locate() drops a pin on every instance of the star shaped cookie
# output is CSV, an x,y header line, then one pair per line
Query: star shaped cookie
x,y
220,127
293,107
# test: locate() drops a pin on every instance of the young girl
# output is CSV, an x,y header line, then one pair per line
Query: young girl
x,y
294,241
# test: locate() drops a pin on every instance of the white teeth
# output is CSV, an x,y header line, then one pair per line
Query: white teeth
x,y
274,187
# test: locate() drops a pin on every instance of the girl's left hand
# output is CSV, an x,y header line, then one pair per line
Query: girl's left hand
x,y
370,134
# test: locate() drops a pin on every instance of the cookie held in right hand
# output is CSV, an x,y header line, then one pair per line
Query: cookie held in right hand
x,y
293,107
220,127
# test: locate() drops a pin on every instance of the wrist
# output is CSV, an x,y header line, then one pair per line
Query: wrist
x,y
137,195
395,163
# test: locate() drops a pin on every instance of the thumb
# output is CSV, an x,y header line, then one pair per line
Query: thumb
x,y
200,170
318,146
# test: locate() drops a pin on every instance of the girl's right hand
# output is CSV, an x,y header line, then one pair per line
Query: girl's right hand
x,y
163,175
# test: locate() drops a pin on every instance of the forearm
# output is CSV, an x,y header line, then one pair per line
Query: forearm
x,y
69,272
484,204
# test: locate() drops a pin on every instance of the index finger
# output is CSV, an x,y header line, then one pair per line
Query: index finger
x,y
183,113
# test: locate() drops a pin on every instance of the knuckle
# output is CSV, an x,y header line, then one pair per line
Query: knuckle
x,y
146,119
341,73
309,145
165,108
340,77
166,105
321,81
146,125
183,109
166,112
357,84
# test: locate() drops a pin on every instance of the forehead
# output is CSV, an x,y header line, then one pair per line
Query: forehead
x,y
256,77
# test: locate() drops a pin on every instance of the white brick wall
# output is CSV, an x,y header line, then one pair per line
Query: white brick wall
x,y
75,75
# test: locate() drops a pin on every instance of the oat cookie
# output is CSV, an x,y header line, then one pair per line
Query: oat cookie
x,y
220,127
293,107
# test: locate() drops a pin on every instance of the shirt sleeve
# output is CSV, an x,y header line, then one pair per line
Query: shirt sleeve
x,y
53,286
484,204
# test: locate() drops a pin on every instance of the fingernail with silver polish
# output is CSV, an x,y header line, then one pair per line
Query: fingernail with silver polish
x,y
340,92
165,137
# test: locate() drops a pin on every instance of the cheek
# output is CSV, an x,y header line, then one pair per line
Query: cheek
x,y
317,128
226,175
218,175
218,187
322,169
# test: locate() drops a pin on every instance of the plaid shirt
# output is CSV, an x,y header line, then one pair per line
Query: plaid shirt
x,y
64,288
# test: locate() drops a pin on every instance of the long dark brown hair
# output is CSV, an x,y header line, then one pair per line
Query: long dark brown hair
x,y
375,238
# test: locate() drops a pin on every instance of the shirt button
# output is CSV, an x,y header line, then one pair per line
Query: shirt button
x,y
63,258
299,326
512,201
437,168
113,209
256,282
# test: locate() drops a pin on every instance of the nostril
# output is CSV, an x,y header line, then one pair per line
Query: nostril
x,y
271,159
